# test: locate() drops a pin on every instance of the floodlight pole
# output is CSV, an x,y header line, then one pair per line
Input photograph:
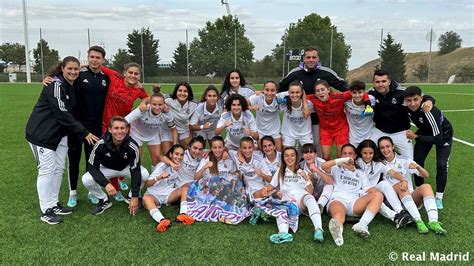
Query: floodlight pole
x,y
429,59
381,41
88,39
283,61
25,33
187,55
235,48
330,55
143,62
41,51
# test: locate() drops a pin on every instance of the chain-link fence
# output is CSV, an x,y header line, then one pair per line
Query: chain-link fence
x,y
261,55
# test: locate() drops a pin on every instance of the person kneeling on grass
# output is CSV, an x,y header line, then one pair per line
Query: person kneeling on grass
x,y
116,154
162,190
353,195
296,186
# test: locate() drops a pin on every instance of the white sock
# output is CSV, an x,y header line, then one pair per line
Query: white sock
x,y
390,195
73,193
387,212
156,215
283,226
439,195
431,209
313,211
183,209
367,217
325,195
411,207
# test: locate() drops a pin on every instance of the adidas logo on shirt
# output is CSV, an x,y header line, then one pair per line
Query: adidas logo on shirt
x,y
85,81
107,154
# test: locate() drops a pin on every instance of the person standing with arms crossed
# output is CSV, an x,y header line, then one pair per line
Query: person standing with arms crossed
x,y
308,73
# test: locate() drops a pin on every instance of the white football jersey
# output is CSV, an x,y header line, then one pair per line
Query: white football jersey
x,y
350,182
267,116
202,116
244,91
294,124
273,166
181,113
247,170
146,125
293,183
226,168
401,165
163,186
360,127
373,170
187,169
320,183
236,130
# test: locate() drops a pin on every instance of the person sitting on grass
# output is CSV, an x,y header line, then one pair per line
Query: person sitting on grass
x,y
162,190
296,186
349,183
411,198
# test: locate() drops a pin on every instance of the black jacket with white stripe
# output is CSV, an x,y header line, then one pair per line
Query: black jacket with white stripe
x,y
52,116
108,155
433,127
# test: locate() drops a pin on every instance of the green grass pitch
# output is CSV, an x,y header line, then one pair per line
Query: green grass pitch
x,y
115,237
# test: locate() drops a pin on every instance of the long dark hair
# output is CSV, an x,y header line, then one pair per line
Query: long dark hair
x,y
369,144
283,165
266,138
226,87
188,87
214,170
172,149
57,70
208,89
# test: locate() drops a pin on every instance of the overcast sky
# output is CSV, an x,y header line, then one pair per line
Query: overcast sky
x,y
64,24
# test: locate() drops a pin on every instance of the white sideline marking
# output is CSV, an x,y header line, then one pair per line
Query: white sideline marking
x,y
456,139
458,110
450,93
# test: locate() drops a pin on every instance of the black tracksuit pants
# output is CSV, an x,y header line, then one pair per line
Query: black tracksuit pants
x,y
443,152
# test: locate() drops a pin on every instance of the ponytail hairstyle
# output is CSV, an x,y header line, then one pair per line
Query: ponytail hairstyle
x,y
57,70
209,88
156,91
288,102
197,139
369,144
214,170
172,149
283,165
266,138
355,151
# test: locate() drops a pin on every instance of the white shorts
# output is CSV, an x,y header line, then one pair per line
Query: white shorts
x,y
162,197
156,140
274,135
165,135
291,141
206,134
403,145
348,200
183,135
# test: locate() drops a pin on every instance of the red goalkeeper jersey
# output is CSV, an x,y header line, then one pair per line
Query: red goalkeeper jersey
x,y
120,98
331,113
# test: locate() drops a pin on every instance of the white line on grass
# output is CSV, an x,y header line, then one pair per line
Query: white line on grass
x,y
458,110
456,139
451,93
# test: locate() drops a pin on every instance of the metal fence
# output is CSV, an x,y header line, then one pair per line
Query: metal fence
x,y
364,48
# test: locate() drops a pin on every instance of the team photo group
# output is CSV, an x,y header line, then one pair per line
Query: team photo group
x,y
309,145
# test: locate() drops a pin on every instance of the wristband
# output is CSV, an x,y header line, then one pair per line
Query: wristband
x,y
340,161
201,127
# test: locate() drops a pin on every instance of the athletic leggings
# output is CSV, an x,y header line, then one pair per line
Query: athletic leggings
x,y
442,156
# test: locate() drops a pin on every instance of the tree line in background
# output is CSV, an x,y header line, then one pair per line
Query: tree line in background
x,y
223,43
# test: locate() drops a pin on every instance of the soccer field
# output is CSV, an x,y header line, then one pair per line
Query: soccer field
x,y
115,237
